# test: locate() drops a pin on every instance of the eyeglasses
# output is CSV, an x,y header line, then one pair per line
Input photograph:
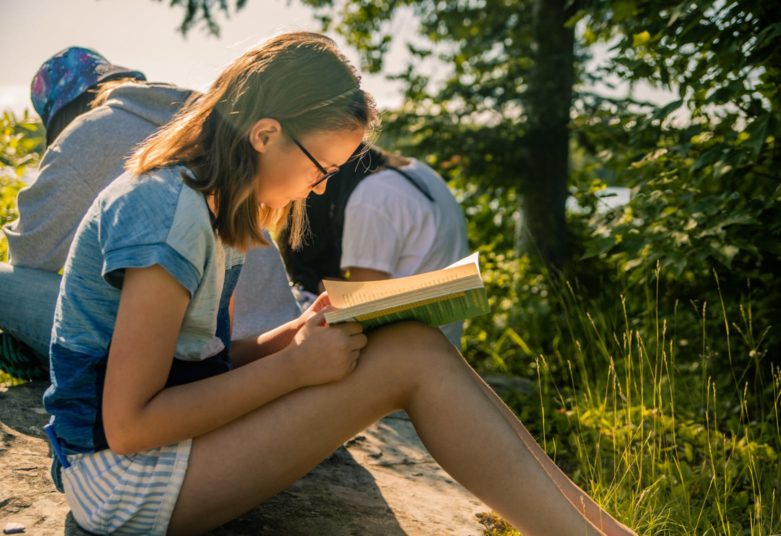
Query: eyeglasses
x,y
325,174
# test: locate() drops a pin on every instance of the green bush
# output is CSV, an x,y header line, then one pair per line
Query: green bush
x,y
21,144
705,209
631,399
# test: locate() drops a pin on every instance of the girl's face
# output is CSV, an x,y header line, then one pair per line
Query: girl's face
x,y
286,173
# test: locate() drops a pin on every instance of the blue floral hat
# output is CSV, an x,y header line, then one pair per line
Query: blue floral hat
x,y
69,73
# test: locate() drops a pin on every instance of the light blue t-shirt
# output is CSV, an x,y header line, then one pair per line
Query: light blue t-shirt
x,y
134,223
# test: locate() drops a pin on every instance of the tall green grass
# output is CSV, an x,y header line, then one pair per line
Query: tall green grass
x,y
667,434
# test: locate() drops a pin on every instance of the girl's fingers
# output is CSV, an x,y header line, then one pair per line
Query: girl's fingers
x,y
317,319
352,328
321,301
358,341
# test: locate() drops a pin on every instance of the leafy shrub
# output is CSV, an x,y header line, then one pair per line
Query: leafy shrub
x,y
705,208
21,144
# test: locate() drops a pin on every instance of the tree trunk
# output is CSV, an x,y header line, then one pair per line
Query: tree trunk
x,y
547,102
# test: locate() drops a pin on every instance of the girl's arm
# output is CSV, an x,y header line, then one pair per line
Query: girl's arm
x,y
247,350
139,412
366,274
244,351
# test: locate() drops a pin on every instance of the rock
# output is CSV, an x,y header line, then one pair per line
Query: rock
x,y
380,482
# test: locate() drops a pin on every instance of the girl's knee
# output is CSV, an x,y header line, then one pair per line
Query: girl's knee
x,y
413,336
408,357
410,349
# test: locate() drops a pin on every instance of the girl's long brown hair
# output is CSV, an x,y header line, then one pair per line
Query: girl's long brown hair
x,y
302,80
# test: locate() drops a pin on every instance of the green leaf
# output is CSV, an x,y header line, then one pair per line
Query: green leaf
x,y
769,34
640,39
757,131
725,253
708,157
667,109
517,339
623,9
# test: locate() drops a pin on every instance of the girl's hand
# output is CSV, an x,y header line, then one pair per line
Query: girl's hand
x,y
324,353
322,302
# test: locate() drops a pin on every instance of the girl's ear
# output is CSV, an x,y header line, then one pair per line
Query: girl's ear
x,y
264,132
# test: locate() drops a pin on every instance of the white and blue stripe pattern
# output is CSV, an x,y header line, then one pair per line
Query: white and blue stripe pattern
x,y
136,494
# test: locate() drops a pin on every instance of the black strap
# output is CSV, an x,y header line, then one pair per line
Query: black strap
x,y
415,181
319,257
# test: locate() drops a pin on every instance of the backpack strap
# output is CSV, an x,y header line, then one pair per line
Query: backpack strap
x,y
414,181
320,255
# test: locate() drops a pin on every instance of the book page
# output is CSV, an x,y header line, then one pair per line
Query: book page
x,y
474,258
349,293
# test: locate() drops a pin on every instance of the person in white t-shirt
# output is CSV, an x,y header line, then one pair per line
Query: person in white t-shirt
x,y
382,216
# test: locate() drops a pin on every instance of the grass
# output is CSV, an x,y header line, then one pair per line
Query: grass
x,y
668,443
6,379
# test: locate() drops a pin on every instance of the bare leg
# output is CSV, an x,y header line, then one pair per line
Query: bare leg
x,y
406,367
576,496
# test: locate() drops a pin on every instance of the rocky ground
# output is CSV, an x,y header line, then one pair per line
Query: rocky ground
x,y
381,482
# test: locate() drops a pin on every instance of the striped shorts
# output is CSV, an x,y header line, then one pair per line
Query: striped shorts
x,y
135,494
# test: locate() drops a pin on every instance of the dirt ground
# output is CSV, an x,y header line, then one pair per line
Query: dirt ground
x,y
381,482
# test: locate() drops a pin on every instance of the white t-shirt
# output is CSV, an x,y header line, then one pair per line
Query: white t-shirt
x,y
390,226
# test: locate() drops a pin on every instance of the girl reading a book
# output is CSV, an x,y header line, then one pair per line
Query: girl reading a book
x,y
161,424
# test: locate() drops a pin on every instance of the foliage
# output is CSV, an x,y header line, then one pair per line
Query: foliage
x,y
706,192
696,218
21,142
714,53
651,436
495,525
634,405
636,397
203,11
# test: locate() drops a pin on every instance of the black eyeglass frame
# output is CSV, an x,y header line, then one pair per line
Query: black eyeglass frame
x,y
325,173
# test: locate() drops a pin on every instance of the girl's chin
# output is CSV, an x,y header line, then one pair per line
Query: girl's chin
x,y
276,205
282,202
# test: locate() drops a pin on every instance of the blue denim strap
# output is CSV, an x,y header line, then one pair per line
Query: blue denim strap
x,y
49,429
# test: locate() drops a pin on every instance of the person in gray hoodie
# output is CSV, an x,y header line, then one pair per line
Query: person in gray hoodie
x,y
95,114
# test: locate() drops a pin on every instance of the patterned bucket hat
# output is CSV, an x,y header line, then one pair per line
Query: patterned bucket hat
x,y
69,73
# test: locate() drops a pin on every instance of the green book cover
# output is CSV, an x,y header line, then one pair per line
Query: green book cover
x,y
434,312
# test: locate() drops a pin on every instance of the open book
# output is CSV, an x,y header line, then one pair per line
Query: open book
x,y
436,298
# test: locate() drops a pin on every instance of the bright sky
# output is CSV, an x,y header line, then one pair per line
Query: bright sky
x,y
141,34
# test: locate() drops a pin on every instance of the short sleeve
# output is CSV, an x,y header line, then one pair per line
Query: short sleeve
x,y
145,255
155,222
370,239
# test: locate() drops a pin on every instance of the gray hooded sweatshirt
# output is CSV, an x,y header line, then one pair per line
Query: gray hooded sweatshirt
x,y
84,159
